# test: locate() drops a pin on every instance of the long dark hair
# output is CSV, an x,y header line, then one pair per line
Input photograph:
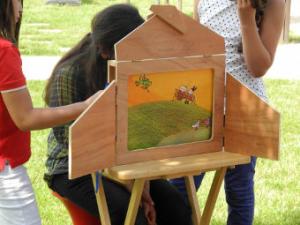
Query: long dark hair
x,y
9,29
260,6
108,27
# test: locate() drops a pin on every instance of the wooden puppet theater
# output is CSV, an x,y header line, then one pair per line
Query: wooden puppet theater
x,y
170,111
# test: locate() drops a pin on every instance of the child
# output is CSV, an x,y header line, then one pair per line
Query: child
x,y
80,73
251,29
17,117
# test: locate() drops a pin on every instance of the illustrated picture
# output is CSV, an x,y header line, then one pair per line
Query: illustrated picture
x,y
169,108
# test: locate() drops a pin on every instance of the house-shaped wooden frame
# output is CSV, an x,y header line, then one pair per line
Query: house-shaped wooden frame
x,y
170,41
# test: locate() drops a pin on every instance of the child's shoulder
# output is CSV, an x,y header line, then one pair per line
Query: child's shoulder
x,y
5,43
7,48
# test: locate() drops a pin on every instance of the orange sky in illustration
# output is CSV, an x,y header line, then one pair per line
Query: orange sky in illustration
x,y
164,85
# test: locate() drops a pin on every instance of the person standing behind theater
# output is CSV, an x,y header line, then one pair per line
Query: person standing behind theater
x,y
17,117
251,29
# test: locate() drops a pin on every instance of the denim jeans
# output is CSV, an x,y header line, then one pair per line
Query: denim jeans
x,y
239,190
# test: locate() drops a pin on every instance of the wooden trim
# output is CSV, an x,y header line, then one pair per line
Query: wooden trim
x,y
125,69
111,71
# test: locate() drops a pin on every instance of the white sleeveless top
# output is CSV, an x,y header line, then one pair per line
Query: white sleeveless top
x,y
221,16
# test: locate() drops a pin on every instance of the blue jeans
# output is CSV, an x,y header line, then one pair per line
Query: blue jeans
x,y
239,190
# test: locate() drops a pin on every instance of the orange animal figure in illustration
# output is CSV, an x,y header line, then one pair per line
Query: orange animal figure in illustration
x,y
185,94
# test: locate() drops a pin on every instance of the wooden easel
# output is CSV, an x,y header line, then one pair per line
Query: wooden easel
x,y
98,138
186,167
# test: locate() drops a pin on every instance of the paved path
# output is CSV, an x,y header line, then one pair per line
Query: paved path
x,y
286,64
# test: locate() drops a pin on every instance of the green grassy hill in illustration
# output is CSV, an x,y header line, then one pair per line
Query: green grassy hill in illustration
x,y
165,123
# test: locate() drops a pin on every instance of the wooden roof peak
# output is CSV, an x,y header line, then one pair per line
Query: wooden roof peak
x,y
168,33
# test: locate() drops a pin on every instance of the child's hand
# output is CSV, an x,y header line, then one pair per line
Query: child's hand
x,y
148,205
246,12
150,212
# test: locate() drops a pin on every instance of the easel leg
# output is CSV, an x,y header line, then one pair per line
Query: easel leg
x,y
101,202
192,195
134,203
212,196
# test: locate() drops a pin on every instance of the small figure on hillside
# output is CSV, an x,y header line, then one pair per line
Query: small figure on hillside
x,y
202,122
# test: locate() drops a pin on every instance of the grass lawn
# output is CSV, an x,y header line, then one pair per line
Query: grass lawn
x,y
277,183
53,29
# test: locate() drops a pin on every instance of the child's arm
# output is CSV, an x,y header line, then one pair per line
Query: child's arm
x,y
20,108
259,47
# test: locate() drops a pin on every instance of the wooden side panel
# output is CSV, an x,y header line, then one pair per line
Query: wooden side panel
x,y
125,69
251,125
92,136
156,38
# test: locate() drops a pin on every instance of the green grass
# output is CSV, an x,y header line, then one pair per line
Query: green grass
x,y
294,37
277,183
53,29
164,123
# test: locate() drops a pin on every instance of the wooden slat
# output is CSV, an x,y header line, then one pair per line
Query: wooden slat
x,y
251,125
101,202
158,39
180,165
92,136
134,203
193,200
212,196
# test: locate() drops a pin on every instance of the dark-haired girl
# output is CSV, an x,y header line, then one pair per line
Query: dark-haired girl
x,y
251,29
79,74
